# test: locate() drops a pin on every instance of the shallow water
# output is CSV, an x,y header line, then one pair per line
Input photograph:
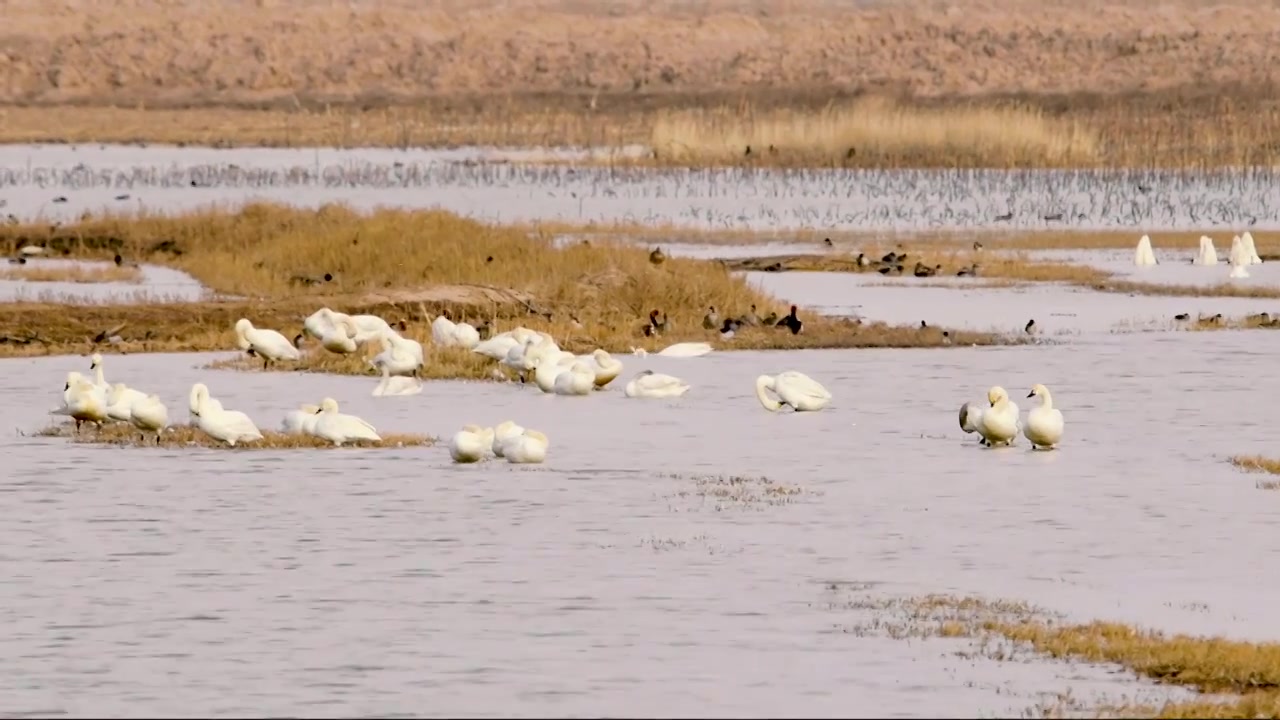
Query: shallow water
x,y
1175,267
96,178
157,284
347,582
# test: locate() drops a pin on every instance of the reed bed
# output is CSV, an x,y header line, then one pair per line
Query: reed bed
x,y
37,272
186,436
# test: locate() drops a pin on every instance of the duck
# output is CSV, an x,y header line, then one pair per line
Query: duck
x,y
999,423
529,447
269,345
338,428
657,257
791,322
793,388
750,318
648,384
229,426
1044,424
659,326
470,444
971,271
729,329
711,320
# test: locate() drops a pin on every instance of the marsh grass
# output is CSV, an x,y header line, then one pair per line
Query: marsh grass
x,y
39,272
1249,672
1259,464
405,266
946,263
180,436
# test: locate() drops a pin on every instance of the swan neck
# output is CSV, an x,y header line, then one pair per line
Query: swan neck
x,y
1046,400
762,382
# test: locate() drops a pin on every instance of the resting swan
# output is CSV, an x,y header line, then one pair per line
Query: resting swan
x,y
120,399
526,448
548,366
680,350
267,344
363,328
971,420
1044,424
796,389
469,444
229,426
605,366
999,423
502,432
149,414
400,355
338,428
396,385
301,421
649,384
341,336
578,379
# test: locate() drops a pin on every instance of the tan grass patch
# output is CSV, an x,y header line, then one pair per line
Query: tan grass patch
x,y
37,272
179,436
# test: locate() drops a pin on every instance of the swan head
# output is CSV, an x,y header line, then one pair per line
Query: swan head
x,y
1038,389
328,405
243,325
94,361
996,394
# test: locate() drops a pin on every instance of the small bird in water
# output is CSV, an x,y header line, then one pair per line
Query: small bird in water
x,y
657,257
1031,326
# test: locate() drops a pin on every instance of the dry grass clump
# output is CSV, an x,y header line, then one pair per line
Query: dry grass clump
x,y
38,272
405,266
181,436
876,131
1259,464
943,264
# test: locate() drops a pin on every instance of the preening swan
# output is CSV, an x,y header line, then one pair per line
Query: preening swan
x,y
361,328
396,385
193,401
971,420
604,365
1143,255
301,421
548,366
447,333
341,336
999,423
149,414
338,428
1044,424
469,444
1207,254
229,426
400,355
85,401
796,389
502,432
578,379
268,344
120,399
529,446
648,384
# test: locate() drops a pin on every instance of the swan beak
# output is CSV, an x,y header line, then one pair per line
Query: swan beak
x,y
67,386
1031,394
318,412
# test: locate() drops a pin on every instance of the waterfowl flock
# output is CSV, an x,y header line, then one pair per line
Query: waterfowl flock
x,y
1243,253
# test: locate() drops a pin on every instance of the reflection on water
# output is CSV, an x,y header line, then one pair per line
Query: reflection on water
x,y
349,582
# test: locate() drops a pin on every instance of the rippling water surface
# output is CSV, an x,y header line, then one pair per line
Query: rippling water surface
x,y
608,581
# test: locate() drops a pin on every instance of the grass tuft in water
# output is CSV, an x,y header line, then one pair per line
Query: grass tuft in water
x,y
1259,464
186,436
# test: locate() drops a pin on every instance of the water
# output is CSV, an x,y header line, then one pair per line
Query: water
x,y
158,284
98,178
359,582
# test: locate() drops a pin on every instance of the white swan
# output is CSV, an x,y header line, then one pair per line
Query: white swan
x,y
194,400
502,432
999,423
447,333
338,428
363,328
1143,255
1239,259
270,345
685,350
529,446
796,389
523,357
301,421
648,384
341,336
578,379
396,385
465,335
84,401
548,366
1207,255
498,346
605,366
1250,248
971,420
400,355
229,426
120,399
149,414
469,444
1044,424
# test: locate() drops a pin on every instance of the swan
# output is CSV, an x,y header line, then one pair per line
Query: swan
x,y
529,446
503,432
469,444
95,364
605,367
649,384
267,344
193,401
363,328
120,399
522,359
1143,255
341,337
447,333
339,428
999,423
396,386
400,355
85,402
548,366
1207,255
466,335
497,346
73,379
971,420
793,388
149,414
229,426
577,380
685,350
1250,248
301,421
1044,424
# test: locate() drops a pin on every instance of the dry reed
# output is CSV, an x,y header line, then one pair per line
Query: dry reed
x,y
38,272
183,436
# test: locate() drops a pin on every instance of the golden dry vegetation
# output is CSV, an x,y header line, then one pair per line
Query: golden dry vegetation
x,y
278,265
1259,464
35,271
180,436
1245,675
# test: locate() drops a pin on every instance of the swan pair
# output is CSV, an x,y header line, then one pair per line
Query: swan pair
x,y
342,333
999,424
269,345
327,423
1243,254
507,440
1143,255
447,333
793,388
